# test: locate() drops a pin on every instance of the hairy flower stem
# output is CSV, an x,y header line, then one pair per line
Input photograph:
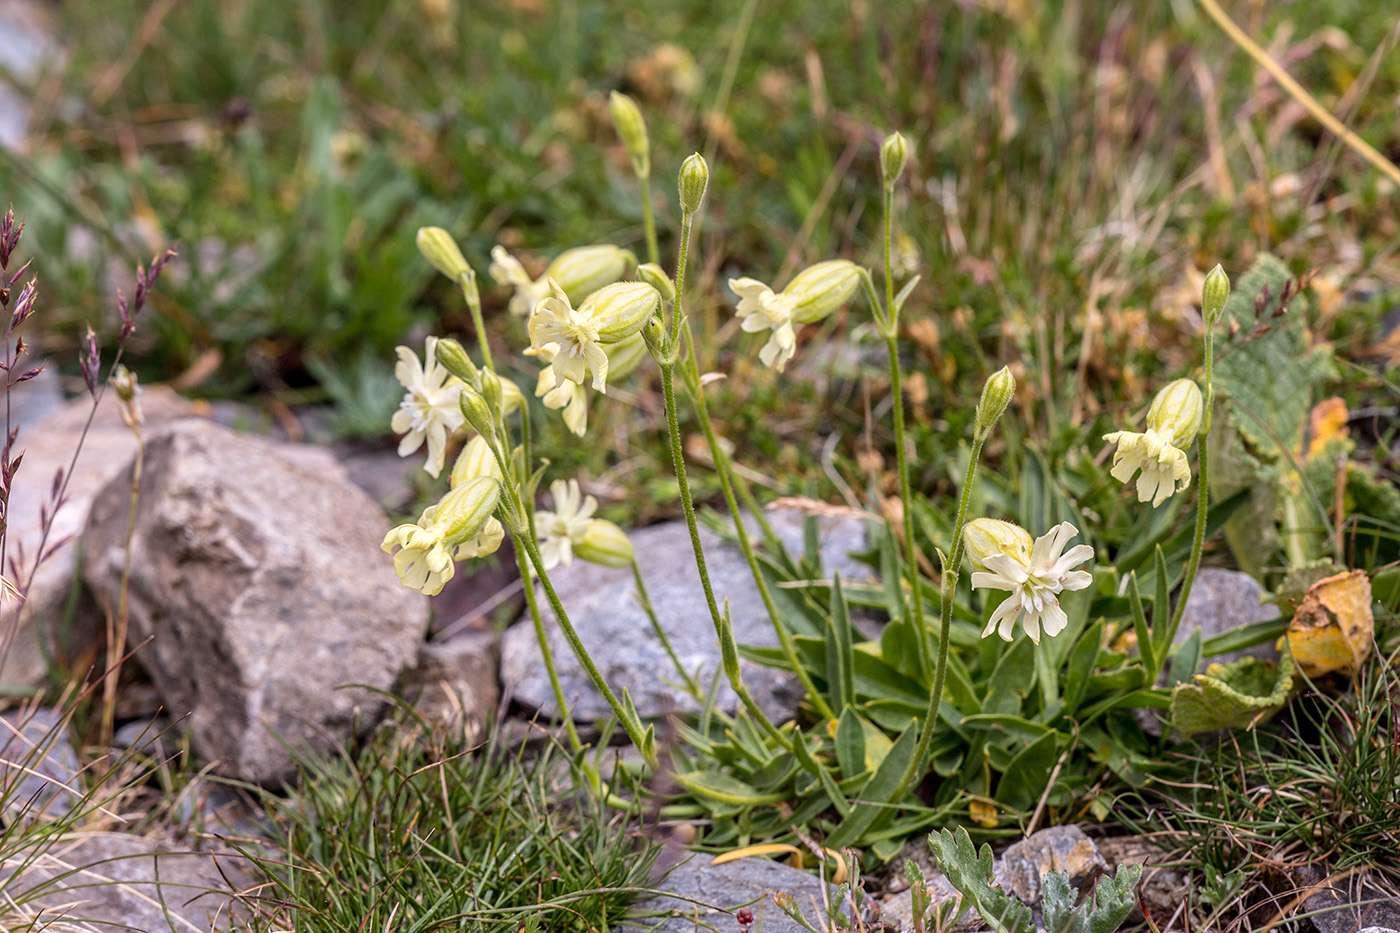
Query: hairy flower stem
x,y
948,591
888,323
532,600
580,652
478,321
1202,489
648,221
724,469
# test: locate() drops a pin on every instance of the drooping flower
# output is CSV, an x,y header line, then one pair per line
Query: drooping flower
x,y
623,357
1159,453
1033,579
561,529
429,410
579,272
459,526
609,315
812,294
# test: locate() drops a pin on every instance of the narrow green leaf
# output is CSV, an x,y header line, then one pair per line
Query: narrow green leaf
x,y
1081,664
1187,660
850,743
840,664
1147,647
881,787
1161,613
724,788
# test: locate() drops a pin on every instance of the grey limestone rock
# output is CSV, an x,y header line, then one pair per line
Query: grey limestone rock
x,y
621,640
40,775
272,612
454,684
701,896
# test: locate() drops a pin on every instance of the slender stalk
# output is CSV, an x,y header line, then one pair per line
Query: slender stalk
x,y
479,322
724,469
532,600
648,221
644,600
1202,491
580,652
116,634
949,587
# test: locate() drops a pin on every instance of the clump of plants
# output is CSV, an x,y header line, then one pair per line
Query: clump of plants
x,y
934,722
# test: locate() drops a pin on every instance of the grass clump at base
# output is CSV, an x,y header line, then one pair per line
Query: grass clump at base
x,y
411,833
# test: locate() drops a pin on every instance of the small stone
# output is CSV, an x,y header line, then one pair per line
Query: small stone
x,y
1059,848
275,617
695,884
453,686
1222,601
898,909
620,638
1349,903
40,776
108,881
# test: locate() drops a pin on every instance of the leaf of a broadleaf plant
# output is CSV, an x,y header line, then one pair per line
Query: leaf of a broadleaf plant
x,y
970,872
1231,696
1333,627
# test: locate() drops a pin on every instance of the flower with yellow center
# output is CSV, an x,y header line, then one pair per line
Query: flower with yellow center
x,y
1034,574
623,357
458,527
1159,453
608,316
812,294
429,410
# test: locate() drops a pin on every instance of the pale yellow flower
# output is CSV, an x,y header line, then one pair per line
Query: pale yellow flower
x,y
429,410
1034,580
560,529
607,316
812,294
457,527
1159,453
579,272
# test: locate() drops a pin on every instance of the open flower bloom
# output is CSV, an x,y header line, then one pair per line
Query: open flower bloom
x,y
1160,455
580,272
456,528
561,529
608,316
812,294
429,410
1033,579
623,357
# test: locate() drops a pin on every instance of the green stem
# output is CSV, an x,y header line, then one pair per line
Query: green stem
x,y
474,304
724,469
668,390
949,588
580,652
1202,492
532,600
644,600
648,221
116,640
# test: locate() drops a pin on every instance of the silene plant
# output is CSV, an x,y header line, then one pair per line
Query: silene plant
x,y
1000,730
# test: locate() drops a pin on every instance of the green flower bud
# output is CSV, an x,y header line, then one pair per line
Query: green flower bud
x,y
632,130
438,247
475,461
619,310
1214,294
511,398
464,510
657,278
996,395
984,537
1177,411
491,390
476,411
820,289
453,356
894,153
604,543
583,270
694,178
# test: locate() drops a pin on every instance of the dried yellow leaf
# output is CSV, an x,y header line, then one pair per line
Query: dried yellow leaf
x,y
1333,627
983,811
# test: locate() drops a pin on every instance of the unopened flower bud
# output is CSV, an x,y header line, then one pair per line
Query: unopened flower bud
x,y
604,543
453,356
583,270
631,129
1177,411
985,537
491,389
894,153
657,278
694,178
996,395
438,247
475,461
619,310
476,411
820,289
1214,294
464,510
